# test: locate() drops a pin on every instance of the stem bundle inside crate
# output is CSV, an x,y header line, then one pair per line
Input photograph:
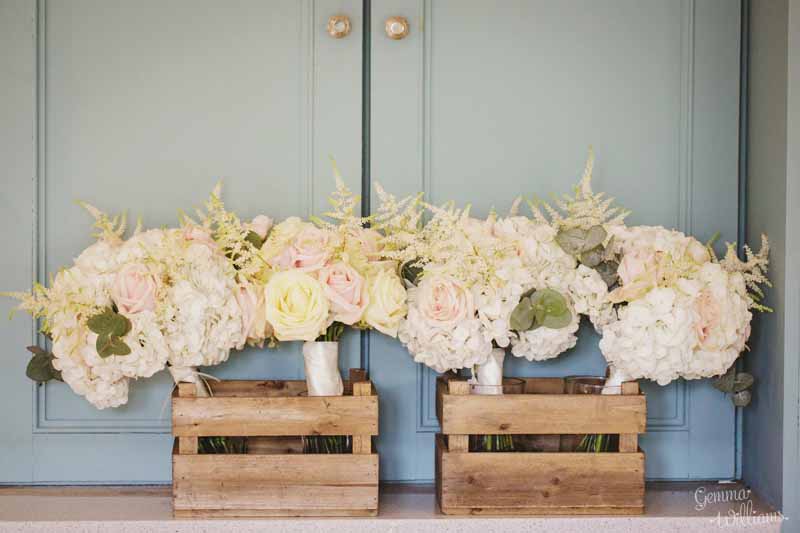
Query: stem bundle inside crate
x,y
539,482
273,479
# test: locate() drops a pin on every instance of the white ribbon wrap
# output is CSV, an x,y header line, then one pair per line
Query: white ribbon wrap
x,y
322,368
488,377
614,381
189,374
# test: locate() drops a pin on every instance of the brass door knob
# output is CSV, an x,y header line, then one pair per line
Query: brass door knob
x,y
339,26
396,27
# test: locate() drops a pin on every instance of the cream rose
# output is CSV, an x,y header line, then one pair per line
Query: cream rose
x,y
370,243
444,302
296,306
134,289
346,290
387,302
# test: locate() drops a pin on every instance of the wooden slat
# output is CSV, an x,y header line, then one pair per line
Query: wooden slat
x,y
257,389
362,444
457,443
187,445
544,385
322,415
629,442
246,485
545,483
542,414
274,445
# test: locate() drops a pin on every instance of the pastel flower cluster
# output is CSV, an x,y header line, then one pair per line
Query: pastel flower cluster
x,y
685,314
172,291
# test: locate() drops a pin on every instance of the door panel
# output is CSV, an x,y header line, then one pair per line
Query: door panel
x,y
484,101
145,106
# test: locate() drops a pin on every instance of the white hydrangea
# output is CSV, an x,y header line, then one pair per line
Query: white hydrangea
x,y
683,315
460,344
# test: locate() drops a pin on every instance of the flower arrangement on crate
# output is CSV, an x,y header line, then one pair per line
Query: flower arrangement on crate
x,y
458,291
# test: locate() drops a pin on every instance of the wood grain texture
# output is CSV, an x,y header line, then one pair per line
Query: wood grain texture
x,y
629,442
322,415
275,485
540,483
542,414
362,444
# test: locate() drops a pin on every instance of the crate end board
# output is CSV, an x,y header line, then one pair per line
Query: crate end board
x,y
539,483
230,485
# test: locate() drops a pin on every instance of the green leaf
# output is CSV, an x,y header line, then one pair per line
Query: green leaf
x,y
410,271
557,321
608,271
726,381
109,323
254,239
742,382
40,367
522,317
120,325
103,345
118,346
571,240
592,258
742,398
594,238
103,322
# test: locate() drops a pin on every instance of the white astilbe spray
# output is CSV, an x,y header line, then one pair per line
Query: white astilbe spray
x,y
584,209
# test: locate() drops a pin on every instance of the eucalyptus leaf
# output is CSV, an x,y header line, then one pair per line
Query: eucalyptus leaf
x,y
592,258
102,322
103,345
557,321
725,382
572,240
254,239
118,347
742,382
594,237
120,325
522,317
551,301
742,398
40,367
608,271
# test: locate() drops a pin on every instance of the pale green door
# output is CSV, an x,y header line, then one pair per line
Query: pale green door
x,y
484,101
144,105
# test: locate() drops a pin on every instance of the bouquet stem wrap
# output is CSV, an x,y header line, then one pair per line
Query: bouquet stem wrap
x,y
322,368
488,377
614,381
189,374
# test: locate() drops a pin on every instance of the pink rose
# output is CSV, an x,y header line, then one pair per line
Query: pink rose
x,y
192,232
634,265
708,312
311,248
254,321
347,291
134,289
445,301
260,226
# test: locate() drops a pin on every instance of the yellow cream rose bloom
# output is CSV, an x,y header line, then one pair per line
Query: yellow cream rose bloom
x,y
387,302
296,306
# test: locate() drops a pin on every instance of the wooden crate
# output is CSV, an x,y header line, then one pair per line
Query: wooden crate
x,y
538,483
274,478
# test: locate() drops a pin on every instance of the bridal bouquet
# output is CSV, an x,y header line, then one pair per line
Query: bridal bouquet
x,y
478,286
128,308
328,274
682,313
